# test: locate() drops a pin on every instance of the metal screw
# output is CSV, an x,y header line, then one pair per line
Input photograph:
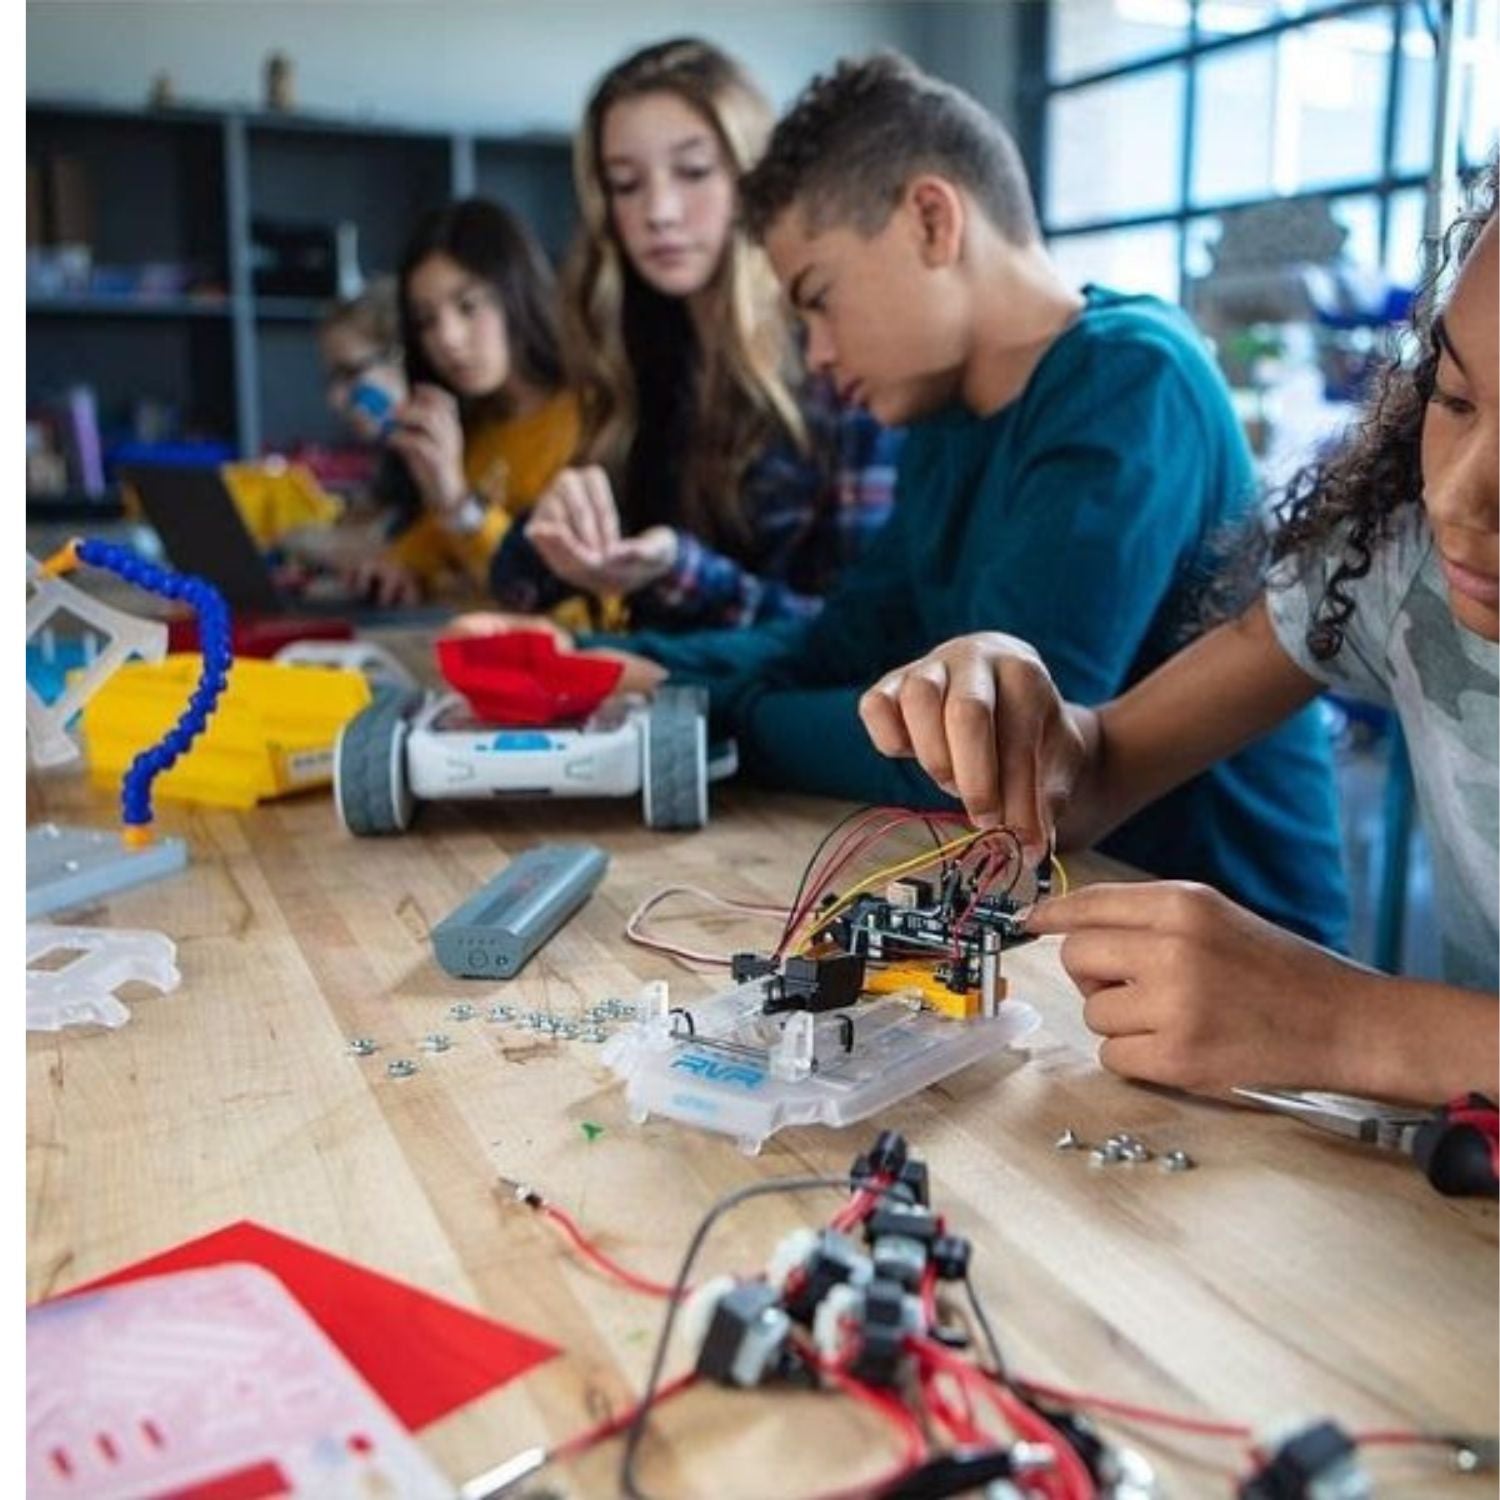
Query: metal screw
x,y
1138,1151
501,1013
1177,1161
461,1010
566,1030
400,1067
592,1034
436,1041
1069,1140
362,1046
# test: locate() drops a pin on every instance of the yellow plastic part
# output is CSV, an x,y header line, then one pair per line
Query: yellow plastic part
x,y
901,979
272,733
274,497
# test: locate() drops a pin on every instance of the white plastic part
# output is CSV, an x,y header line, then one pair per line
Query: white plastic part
x,y
722,1077
123,636
793,1057
378,665
791,1253
830,1322
70,867
73,972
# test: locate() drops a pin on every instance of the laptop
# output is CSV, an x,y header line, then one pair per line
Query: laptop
x,y
202,532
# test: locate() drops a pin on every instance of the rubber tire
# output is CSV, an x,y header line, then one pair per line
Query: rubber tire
x,y
372,791
675,793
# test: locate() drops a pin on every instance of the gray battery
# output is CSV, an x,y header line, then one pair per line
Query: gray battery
x,y
504,922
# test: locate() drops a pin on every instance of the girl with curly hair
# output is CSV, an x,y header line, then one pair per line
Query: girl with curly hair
x,y
1384,582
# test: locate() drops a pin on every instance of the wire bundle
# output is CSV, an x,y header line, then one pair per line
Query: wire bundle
x,y
953,1417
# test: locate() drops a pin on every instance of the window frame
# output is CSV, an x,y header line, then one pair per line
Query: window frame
x,y
1041,88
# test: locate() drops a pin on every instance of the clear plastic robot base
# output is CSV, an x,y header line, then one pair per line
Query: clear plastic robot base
x,y
728,1067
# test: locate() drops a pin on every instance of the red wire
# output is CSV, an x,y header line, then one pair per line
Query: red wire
x,y
597,1257
1070,1470
1131,1412
581,1442
857,1209
914,1441
861,837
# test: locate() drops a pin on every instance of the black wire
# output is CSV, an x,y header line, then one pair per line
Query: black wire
x,y
986,1328
637,1429
823,843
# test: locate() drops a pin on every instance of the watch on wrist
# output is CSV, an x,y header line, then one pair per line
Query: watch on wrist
x,y
465,518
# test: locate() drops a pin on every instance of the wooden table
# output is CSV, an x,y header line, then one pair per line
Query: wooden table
x,y
1289,1275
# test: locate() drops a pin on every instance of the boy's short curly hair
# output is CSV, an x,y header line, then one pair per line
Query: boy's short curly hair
x,y
855,138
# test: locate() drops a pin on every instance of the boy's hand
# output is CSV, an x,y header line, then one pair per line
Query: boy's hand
x,y
982,717
642,675
575,528
430,438
1189,990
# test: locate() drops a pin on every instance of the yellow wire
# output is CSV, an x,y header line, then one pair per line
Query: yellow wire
x,y
890,872
1062,876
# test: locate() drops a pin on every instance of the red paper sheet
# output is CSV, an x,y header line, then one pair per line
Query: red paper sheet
x,y
424,1356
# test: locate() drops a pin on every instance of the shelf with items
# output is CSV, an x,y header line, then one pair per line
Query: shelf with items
x,y
153,247
97,305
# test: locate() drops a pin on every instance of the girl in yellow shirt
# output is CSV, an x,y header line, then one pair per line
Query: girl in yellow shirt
x,y
487,421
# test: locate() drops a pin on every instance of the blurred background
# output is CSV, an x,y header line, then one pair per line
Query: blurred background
x,y
204,178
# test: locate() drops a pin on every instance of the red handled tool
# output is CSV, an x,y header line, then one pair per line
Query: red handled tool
x,y
1457,1147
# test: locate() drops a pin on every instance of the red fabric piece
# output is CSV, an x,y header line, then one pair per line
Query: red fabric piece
x,y
423,1356
521,678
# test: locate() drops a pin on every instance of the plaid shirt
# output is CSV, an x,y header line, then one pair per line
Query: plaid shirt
x,y
810,517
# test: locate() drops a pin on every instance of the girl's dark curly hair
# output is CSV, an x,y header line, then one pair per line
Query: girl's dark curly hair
x,y
1358,492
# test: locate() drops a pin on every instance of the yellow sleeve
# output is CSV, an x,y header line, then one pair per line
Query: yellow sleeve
x,y
429,552
510,463
419,549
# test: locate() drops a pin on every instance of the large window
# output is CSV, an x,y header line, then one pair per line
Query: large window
x,y
1160,115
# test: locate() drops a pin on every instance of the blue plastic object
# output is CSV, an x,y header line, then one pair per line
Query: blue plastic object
x,y
213,630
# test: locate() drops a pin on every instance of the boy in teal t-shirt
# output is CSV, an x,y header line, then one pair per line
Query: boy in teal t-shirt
x,y
1071,460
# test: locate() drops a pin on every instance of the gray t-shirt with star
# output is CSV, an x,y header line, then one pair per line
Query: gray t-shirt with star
x,y
1403,649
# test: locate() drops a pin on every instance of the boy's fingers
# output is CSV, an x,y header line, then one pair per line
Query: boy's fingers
x,y
880,712
1138,1056
924,692
1118,1010
1098,956
1160,906
969,724
1019,738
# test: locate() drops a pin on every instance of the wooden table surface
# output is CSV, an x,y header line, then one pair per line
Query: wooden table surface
x,y
1289,1275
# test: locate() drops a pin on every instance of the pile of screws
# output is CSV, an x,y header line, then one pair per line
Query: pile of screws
x,y
593,1026
1122,1149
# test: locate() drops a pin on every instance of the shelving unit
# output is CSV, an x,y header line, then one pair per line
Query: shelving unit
x,y
185,185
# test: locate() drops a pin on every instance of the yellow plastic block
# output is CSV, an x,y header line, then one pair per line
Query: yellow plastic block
x,y
907,979
272,733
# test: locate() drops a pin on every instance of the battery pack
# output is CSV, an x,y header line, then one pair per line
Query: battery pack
x,y
502,924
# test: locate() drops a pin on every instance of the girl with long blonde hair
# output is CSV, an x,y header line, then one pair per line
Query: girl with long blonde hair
x,y
715,485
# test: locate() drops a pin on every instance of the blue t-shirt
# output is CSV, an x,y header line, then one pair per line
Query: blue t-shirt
x,y
1082,517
